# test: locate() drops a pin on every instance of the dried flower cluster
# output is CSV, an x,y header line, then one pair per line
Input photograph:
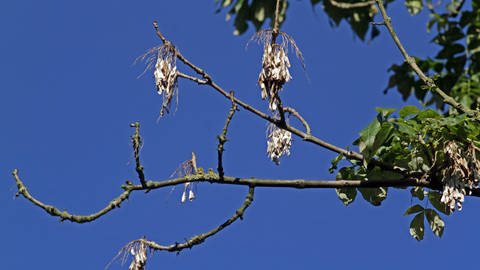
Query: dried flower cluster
x,y
163,60
278,143
461,173
274,74
275,64
165,74
139,254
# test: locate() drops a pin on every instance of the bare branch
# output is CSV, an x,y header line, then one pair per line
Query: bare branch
x,y
64,215
191,78
137,144
198,239
222,138
293,112
227,180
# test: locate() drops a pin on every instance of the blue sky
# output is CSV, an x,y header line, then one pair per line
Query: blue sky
x,y
70,90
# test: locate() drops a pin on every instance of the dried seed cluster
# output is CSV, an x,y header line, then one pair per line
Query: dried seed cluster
x,y
278,143
139,254
461,172
165,74
275,63
274,73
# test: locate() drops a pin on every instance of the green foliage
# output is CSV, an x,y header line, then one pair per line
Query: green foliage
x,y
417,225
435,221
456,66
414,140
414,6
257,12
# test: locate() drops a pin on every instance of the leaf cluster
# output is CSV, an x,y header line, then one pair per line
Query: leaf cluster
x,y
456,66
414,140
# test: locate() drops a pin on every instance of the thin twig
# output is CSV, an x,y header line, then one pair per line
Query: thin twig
x,y
191,78
198,239
293,112
137,144
411,62
276,21
222,138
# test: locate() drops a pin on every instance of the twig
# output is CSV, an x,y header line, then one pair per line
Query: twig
x,y
137,144
64,215
191,78
293,112
343,5
198,239
222,138
411,62
276,21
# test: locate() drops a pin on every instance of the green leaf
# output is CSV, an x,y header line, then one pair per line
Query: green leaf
x,y
407,127
383,135
414,209
408,110
375,196
418,192
414,6
367,137
434,198
417,226
379,174
335,162
436,223
346,195
385,112
260,12
428,114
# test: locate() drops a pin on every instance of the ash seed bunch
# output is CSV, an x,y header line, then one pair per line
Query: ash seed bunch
x,y
279,142
165,74
275,64
462,172
274,73
139,254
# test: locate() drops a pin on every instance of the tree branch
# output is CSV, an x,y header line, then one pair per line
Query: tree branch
x,y
64,215
222,138
293,112
411,62
349,154
227,180
198,239
137,144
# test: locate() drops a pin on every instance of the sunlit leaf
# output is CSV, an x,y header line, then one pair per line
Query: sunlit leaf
x,y
435,221
417,226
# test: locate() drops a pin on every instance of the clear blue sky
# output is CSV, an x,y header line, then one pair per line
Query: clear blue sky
x,y
69,91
